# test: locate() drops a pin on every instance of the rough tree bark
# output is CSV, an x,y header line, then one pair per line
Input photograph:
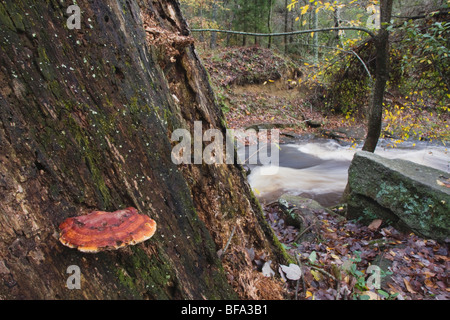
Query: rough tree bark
x,y
85,122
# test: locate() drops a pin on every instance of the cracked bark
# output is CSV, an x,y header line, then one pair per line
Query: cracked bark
x,y
85,123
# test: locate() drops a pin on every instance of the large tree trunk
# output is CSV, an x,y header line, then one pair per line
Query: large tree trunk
x,y
85,123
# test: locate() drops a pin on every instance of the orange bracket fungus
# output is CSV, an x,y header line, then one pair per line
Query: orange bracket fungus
x,y
102,230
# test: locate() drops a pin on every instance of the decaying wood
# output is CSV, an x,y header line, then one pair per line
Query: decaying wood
x,y
85,123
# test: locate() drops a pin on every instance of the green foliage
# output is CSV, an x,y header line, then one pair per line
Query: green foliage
x,y
423,54
345,82
201,12
250,15
361,285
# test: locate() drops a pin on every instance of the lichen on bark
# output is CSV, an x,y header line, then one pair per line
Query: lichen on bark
x,y
85,123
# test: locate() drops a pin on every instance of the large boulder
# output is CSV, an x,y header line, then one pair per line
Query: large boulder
x,y
402,193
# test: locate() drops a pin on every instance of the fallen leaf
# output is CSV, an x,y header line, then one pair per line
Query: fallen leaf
x,y
439,257
293,271
312,257
371,295
267,270
429,283
335,257
336,271
408,286
443,183
317,275
375,224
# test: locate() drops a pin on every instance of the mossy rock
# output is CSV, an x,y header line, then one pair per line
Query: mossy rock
x,y
302,213
401,192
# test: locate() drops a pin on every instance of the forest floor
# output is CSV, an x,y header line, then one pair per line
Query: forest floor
x,y
337,263
256,86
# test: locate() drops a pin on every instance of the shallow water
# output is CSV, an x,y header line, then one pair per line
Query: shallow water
x,y
318,169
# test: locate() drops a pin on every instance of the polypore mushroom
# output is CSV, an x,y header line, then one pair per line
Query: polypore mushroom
x,y
102,230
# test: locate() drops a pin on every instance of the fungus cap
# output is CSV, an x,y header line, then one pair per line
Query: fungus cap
x,y
100,230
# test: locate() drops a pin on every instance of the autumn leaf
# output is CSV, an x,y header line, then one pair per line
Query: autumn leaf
x,y
304,9
375,224
267,270
429,283
293,271
317,275
335,257
371,295
408,286
443,183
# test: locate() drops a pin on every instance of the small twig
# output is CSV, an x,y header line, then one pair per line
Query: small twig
x,y
324,272
303,232
228,242
301,277
271,204
338,288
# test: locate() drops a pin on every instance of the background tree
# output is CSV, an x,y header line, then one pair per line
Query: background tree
x,y
382,76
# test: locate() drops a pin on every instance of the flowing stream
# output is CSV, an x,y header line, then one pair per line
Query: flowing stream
x,y
318,168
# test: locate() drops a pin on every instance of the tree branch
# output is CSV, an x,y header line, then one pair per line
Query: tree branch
x,y
254,34
437,13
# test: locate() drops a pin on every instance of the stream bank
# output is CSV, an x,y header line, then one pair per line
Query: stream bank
x,y
317,168
316,149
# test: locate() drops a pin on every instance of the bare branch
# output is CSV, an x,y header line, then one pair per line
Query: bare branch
x,y
254,34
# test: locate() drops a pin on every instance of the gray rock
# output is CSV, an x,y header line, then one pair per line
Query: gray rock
x,y
401,193
302,213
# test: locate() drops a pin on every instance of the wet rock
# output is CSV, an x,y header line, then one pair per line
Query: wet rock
x,y
301,213
402,193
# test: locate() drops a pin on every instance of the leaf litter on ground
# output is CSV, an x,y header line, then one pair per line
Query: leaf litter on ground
x,y
343,250
335,265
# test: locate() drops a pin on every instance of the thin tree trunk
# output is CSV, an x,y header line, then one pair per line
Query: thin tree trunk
x,y
316,37
269,23
213,42
382,75
286,15
255,19
337,24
